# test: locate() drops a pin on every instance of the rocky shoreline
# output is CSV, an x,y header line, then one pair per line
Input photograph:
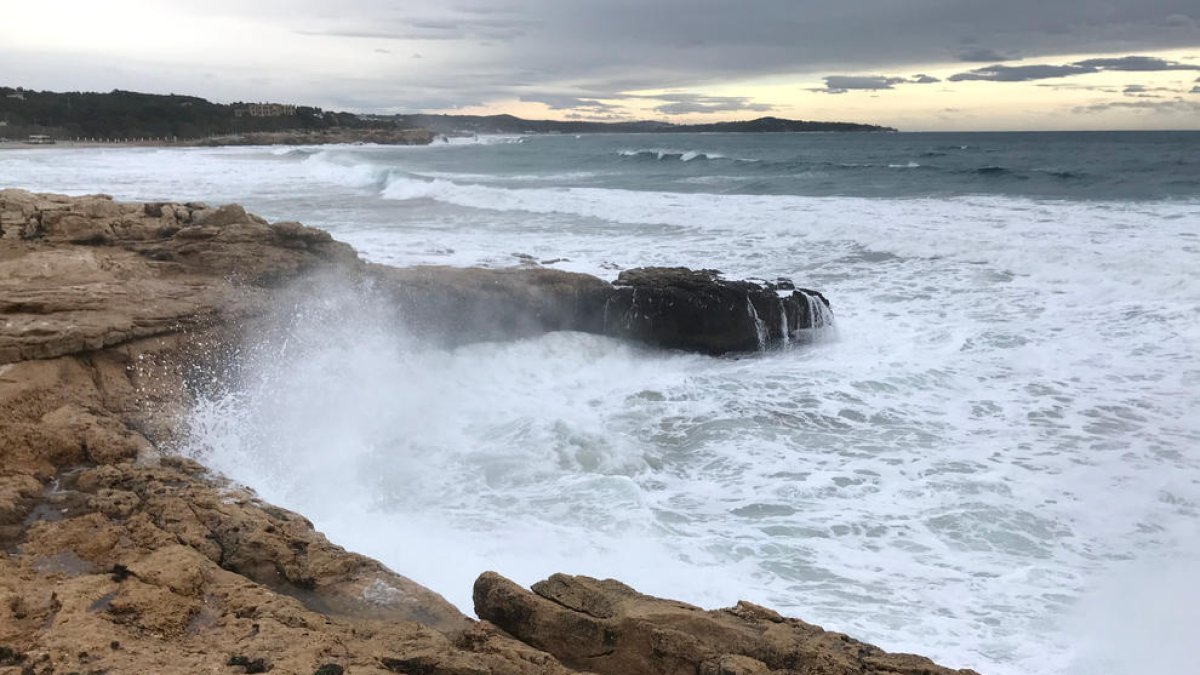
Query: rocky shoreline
x,y
122,557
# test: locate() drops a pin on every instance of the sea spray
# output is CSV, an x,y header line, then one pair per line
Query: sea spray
x,y
1009,414
483,454
760,327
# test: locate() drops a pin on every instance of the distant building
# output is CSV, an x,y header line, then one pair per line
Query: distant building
x,y
19,95
40,139
266,110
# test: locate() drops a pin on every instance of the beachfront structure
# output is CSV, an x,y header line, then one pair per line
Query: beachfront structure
x,y
266,110
40,139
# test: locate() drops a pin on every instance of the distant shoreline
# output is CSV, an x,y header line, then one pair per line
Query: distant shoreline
x,y
285,138
26,145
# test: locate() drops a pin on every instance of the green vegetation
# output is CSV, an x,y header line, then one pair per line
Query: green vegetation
x,y
127,114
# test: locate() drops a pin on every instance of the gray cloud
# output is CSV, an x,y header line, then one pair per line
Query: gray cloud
x,y
1171,107
597,48
611,117
1179,21
1071,86
1001,73
1134,63
485,50
840,84
984,55
560,102
1142,91
683,104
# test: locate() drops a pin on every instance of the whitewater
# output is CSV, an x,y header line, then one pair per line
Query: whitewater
x,y
994,463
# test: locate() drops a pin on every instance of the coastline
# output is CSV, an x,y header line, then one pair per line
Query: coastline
x,y
348,136
76,145
121,555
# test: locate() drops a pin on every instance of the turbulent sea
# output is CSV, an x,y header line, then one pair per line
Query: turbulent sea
x,y
994,462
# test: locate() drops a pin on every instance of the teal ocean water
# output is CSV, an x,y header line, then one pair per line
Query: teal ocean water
x,y
995,463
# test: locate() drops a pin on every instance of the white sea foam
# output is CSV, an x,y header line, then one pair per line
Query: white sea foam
x,y
993,464
672,154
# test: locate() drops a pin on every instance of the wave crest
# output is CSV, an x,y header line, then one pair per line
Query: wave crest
x,y
667,154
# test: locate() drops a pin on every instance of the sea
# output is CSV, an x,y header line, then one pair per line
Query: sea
x,y
992,459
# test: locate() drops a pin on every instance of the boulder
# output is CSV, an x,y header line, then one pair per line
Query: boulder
x,y
606,627
697,310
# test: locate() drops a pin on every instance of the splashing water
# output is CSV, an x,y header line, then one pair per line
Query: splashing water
x,y
994,464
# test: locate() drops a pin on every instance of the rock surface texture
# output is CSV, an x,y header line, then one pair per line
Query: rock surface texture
x,y
606,627
696,310
121,557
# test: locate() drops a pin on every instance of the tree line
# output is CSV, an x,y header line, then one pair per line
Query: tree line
x,y
128,114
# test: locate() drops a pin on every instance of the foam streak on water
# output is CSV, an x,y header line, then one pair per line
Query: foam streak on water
x,y
995,463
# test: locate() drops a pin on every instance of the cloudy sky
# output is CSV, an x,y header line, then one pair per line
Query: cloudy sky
x,y
913,64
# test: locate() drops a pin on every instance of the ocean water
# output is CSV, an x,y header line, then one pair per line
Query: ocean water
x,y
994,461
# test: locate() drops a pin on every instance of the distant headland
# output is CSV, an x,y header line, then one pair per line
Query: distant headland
x,y
44,117
508,124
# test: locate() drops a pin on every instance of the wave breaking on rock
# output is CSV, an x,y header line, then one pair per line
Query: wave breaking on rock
x,y
120,556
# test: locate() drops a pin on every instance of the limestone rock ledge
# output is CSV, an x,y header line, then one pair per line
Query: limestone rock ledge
x,y
119,557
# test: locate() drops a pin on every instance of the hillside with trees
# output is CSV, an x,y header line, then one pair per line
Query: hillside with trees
x,y
127,114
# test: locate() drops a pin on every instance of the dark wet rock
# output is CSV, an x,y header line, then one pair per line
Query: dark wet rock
x,y
453,305
697,310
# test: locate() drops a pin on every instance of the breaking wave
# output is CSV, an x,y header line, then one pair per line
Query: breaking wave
x,y
660,154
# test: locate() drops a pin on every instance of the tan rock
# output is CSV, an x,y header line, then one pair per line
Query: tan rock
x,y
607,627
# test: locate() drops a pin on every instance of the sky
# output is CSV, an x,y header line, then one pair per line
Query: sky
x,y
916,65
